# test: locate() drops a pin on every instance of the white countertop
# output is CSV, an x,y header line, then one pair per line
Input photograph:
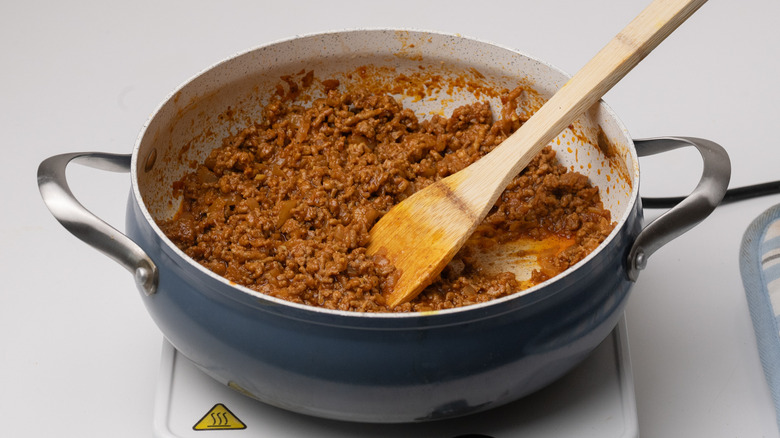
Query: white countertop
x,y
79,355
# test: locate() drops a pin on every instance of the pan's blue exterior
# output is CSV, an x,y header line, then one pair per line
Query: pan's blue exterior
x,y
386,368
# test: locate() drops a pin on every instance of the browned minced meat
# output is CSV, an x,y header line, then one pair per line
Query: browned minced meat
x,y
284,207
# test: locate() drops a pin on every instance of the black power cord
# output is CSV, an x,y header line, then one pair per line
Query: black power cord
x,y
732,195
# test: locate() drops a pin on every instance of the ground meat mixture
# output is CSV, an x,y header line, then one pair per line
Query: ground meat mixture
x,y
285,206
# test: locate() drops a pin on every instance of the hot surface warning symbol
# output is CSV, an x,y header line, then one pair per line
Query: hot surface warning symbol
x,y
219,418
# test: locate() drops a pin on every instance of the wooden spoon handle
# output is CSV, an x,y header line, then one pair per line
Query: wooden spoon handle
x,y
582,91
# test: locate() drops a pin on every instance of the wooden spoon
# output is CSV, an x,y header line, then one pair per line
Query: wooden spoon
x,y
420,235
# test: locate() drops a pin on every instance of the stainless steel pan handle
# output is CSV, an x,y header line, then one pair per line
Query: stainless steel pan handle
x,y
57,196
693,209
53,184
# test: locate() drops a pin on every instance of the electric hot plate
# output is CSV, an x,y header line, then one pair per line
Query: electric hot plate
x,y
596,399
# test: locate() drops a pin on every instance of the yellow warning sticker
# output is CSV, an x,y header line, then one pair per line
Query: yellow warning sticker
x,y
219,418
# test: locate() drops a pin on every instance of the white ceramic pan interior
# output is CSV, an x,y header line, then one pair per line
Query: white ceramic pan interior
x,y
446,71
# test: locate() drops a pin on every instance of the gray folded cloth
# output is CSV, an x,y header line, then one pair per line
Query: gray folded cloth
x,y
759,264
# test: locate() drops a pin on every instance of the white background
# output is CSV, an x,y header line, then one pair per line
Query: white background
x,y
78,353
